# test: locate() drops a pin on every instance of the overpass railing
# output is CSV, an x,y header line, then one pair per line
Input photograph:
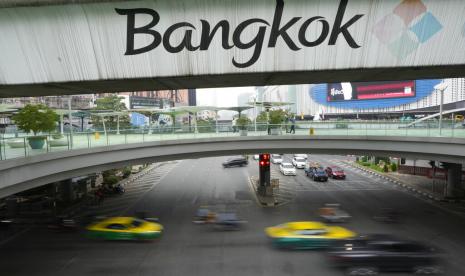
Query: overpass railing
x,y
19,146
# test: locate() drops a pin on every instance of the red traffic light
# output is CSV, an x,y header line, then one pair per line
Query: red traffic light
x,y
264,159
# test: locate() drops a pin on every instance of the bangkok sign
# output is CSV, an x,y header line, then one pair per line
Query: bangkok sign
x,y
277,29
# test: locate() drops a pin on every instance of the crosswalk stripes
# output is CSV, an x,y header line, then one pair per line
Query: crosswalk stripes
x,y
379,180
113,206
286,191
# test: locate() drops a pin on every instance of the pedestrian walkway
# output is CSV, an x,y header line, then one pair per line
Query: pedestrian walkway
x,y
286,191
135,188
422,183
18,147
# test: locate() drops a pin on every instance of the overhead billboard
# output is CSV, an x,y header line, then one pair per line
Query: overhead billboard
x,y
352,91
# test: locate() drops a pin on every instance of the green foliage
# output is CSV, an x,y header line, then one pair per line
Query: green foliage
x,y
261,121
36,118
379,159
110,180
110,177
385,168
393,167
277,116
127,172
111,103
206,125
109,172
243,122
364,158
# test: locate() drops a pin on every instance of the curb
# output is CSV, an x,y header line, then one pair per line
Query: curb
x,y
140,174
398,183
257,199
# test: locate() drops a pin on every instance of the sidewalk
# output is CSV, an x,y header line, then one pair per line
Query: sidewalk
x,y
420,185
415,183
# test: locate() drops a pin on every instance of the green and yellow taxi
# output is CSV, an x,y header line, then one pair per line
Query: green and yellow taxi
x,y
125,228
306,235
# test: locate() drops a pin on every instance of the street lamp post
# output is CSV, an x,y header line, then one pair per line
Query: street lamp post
x,y
70,117
440,112
216,121
255,113
441,87
117,125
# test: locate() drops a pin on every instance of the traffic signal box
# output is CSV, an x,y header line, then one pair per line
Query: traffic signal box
x,y
264,169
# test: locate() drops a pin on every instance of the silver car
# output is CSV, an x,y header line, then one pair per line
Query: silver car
x,y
287,169
276,158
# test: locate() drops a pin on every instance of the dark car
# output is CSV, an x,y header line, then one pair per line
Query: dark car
x,y
235,162
316,173
335,173
370,254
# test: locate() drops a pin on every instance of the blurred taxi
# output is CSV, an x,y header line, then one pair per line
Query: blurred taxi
x,y
125,228
306,234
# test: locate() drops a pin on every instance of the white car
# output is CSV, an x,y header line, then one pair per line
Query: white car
x,y
299,162
287,169
300,155
256,157
276,158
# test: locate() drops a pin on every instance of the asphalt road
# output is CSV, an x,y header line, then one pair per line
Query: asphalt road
x,y
189,249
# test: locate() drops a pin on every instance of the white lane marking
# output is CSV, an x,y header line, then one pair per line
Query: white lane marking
x,y
68,263
14,236
170,167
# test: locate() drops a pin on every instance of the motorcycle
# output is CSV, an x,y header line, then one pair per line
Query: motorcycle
x,y
228,222
204,216
119,189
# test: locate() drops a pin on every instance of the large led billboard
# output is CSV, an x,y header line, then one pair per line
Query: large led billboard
x,y
350,91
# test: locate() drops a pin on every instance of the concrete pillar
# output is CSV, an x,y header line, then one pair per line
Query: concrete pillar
x,y
454,179
12,207
67,191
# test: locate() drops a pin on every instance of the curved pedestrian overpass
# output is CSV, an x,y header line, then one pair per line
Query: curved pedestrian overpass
x,y
23,168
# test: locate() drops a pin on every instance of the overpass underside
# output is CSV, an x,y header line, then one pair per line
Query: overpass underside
x,y
25,173
230,80
111,46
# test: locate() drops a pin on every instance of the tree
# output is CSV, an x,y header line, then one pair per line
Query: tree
x,y
261,120
206,125
277,116
243,121
111,103
36,118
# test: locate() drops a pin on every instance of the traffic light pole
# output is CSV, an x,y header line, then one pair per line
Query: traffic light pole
x,y
264,180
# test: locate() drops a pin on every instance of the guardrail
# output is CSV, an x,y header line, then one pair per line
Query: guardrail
x,y
23,146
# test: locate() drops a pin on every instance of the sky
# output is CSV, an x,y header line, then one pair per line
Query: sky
x,y
223,97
